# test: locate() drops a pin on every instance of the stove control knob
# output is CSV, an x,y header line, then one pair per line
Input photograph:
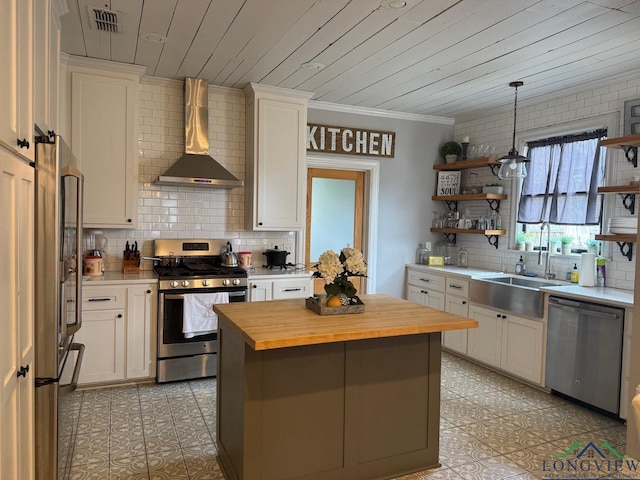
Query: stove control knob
x,y
236,281
185,283
174,284
226,282
205,283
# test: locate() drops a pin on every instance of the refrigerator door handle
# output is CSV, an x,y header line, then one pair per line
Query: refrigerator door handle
x,y
71,387
71,171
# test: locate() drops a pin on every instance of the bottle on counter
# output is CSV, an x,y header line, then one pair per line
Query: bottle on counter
x,y
521,267
601,272
463,257
575,274
422,254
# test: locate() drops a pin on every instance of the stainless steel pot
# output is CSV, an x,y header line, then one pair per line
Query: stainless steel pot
x,y
229,258
171,262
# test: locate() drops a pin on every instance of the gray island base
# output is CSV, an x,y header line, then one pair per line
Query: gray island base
x,y
301,396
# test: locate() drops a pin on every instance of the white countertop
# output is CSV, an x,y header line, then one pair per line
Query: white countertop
x,y
147,276
118,278
271,273
611,296
608,295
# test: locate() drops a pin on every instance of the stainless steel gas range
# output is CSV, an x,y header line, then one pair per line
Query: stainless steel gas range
x,y
192,279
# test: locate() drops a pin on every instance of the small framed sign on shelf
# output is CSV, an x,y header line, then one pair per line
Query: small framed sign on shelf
x,y
448,183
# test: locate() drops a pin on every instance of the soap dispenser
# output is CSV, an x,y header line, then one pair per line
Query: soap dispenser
x,y
521,267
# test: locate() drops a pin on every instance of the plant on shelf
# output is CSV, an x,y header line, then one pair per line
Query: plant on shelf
x,y
566,242
450,151
528,240
336,269
593,246
520,239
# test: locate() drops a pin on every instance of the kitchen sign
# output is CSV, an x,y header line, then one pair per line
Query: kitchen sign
x,y
350,141
448,183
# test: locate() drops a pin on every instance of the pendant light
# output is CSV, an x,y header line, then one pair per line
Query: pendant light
x,y
512,165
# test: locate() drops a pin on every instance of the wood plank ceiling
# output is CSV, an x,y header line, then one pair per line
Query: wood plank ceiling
x,y
452,58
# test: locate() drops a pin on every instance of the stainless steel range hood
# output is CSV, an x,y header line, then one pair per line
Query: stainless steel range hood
x,y
196,168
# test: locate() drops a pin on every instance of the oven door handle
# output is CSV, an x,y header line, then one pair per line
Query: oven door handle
x,y
179,296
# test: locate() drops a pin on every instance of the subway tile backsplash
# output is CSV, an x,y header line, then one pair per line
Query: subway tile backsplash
x,y
189,212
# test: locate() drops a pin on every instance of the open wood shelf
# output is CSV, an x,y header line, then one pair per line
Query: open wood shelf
x,y
468,230
619,189
629,238
620,142
465,164
469,196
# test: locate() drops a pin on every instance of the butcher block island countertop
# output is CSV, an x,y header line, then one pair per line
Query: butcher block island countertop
x,y
289,323
340,397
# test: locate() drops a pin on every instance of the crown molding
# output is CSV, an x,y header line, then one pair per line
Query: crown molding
x,y
374,112
104,65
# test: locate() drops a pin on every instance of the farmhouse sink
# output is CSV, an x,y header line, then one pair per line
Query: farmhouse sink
x,y
527,282
519,295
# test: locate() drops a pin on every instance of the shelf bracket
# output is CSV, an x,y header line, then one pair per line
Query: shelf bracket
x,y
631,153
626,249
494,205
452,204
493,240
495,168
450,237
629,201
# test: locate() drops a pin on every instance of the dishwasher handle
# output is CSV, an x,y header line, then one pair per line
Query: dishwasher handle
x,y
566,302
572,305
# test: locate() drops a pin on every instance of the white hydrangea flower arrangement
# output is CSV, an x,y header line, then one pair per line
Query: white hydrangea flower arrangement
x,y
335,269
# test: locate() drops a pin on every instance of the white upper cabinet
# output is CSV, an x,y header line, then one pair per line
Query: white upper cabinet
x,y
104,132
46,78
16,76
276,160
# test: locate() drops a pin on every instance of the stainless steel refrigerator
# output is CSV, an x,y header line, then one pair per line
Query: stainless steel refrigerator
x,y
58,291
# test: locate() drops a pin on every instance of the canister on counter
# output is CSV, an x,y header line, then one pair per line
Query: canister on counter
x,y
92,265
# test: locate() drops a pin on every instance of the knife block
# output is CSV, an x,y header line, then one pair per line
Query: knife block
x,y
131,265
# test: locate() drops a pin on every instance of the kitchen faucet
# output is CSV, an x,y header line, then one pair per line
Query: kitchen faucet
x,y
547,273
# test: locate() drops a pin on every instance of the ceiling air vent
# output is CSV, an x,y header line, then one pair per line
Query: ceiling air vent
x,y
104,20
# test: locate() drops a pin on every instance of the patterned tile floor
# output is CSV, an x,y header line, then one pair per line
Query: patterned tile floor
x,y
492,428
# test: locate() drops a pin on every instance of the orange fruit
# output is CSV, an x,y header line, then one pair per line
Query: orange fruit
x,y
334,301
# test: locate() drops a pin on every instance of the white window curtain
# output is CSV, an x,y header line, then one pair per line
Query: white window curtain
x,y
562,181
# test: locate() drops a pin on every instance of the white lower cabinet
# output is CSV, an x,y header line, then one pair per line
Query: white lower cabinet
x,y
506,341
260,290
141,327
428,298
484,343
456,340
102,334
118,325
280,289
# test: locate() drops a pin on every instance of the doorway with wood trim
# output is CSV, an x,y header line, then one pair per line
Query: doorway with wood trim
x,y
335,216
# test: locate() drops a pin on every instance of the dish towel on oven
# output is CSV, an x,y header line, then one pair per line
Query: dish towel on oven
x,y
198,317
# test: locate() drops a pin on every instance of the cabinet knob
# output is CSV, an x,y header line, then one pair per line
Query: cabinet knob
x,y
464,302
497,315
23,371
148,291
254,286
119,315
24,143
504,316
259,223
129,220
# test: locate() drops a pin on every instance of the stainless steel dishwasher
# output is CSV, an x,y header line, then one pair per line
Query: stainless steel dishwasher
x,y
584,351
